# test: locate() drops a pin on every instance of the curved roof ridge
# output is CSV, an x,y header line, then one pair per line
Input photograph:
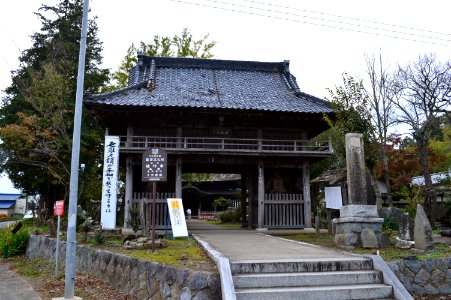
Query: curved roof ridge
x,y
140,84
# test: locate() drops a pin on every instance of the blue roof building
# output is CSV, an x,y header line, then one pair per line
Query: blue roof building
x,y
8,202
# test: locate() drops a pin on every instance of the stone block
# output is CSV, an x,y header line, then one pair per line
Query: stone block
x,y
418,289
430,289
165,289
422,277
202,295
422,230
171,275
413,265
369,239
401,219
384,240
403,244
362,211
438,277
198,281
445,289
185,294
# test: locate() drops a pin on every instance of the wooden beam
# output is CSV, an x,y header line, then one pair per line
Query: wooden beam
x,y
243,197
306,194
178,177
128,190
261,193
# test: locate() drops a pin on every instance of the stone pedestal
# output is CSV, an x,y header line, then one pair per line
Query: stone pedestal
x,y
353,219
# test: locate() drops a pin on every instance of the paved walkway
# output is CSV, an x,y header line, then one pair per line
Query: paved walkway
x,y
14,287
249,244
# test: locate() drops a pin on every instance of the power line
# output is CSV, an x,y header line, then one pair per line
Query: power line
x,y
307,22
350,18
322,19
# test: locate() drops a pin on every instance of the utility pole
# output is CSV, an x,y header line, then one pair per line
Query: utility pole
x,y
73,192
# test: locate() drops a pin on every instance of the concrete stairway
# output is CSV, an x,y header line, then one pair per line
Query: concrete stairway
x,y
343,278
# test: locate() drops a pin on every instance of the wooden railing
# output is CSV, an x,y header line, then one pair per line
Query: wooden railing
x,y
224,144
283,211
143,201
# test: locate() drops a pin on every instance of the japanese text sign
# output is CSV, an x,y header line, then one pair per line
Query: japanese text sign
x,y
58,208
109,185
154,165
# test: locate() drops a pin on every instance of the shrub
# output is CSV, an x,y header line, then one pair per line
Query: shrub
x,y
17,243
99,238
135,221
389,224
230,216
220,203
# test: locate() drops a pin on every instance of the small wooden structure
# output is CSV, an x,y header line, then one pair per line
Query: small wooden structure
x,y
217,116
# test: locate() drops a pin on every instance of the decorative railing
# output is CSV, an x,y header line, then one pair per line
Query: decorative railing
x,y
283,211
224,144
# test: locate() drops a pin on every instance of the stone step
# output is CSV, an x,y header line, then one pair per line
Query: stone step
x,y
305,265
304,279
363,291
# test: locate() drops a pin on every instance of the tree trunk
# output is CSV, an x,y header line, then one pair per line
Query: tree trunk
x,y
386,179
429,195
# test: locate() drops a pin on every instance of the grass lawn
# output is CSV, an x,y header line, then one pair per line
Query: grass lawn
x,y
388,254
180,253
227,225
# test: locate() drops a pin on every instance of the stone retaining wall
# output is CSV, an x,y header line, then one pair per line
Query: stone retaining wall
x,y
142,279
422,278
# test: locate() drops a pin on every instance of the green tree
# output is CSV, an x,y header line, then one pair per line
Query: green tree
x,y
36,120
220,203
350,104
183,45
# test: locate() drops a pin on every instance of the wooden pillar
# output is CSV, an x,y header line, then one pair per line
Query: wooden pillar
x,y
179,137
128,190
306,194
260,139
178,177
261,193
129,137
251,196
243,198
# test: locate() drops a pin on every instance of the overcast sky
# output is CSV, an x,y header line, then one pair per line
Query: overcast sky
x,y
322,38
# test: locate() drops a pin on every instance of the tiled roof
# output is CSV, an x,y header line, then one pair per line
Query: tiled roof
x,y
216,84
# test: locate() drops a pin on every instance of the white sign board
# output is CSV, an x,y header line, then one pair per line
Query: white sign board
x,y
177,215
333,197
109,185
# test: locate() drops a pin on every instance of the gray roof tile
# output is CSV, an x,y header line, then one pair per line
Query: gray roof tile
x,y
216,84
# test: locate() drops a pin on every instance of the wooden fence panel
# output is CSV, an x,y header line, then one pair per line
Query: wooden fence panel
x,y
143,201
283,211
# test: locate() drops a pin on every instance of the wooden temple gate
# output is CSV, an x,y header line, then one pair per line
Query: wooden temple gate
x,y
218,116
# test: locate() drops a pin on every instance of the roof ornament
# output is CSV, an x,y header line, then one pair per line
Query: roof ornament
x,y
290,78
151,82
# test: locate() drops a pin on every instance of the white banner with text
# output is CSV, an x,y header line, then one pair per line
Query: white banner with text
x,y
177,215
109,185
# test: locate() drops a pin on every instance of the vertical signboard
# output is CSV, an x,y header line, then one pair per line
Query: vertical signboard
x,y
58,208
109,186
154,165
333,197
177,215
